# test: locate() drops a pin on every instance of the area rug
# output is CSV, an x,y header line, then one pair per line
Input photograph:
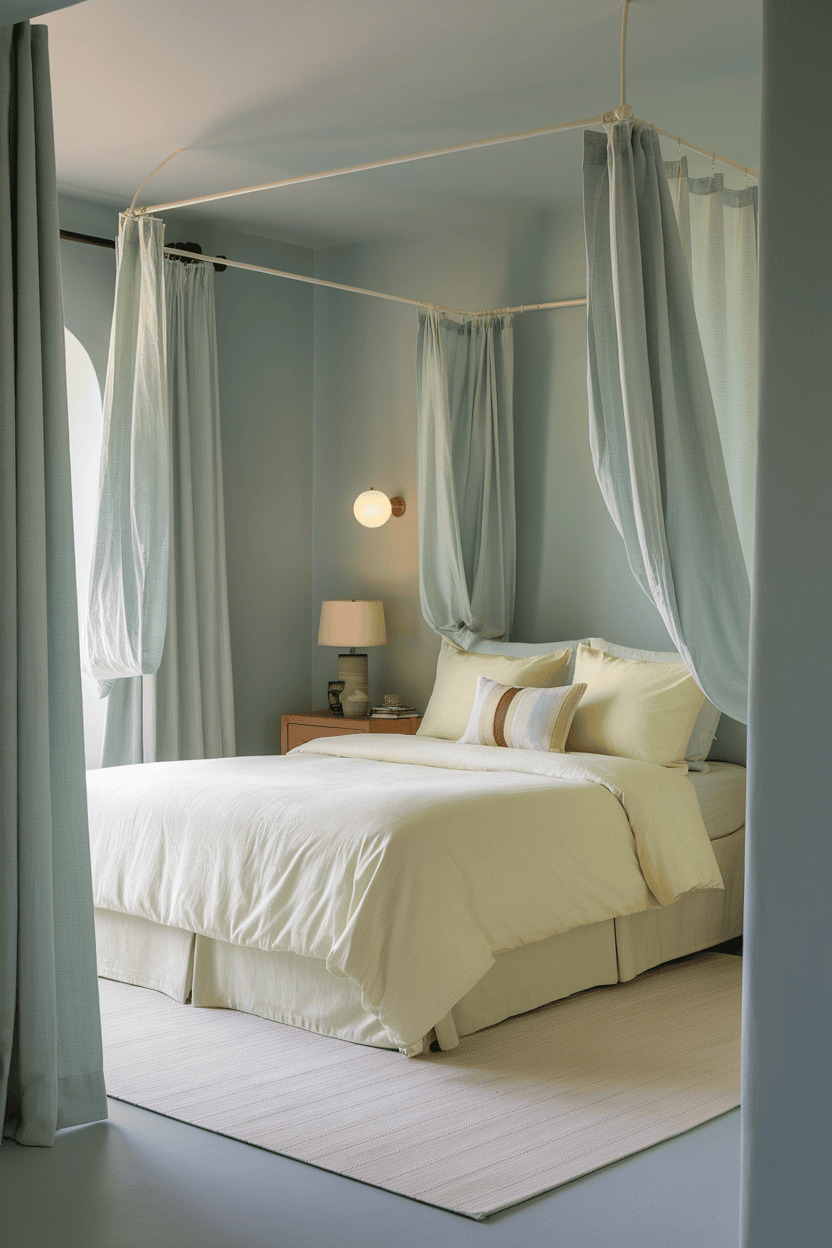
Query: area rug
x,y
513,1111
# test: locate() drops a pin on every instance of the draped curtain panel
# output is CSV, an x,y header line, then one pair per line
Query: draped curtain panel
x,y
654,433
50,1036
129,578
464,376
718,231
186,709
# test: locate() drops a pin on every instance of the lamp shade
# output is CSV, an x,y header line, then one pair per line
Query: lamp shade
x,y
352,623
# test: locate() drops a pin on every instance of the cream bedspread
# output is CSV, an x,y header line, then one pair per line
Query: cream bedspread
x,y
403,863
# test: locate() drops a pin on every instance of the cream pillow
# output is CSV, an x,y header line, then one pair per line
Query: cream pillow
x,y
634,709
455,687
704,730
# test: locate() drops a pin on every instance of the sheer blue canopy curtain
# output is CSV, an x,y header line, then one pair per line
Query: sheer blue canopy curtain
x,y
50,1034
158,635
659,444
464,376
718,231
127,611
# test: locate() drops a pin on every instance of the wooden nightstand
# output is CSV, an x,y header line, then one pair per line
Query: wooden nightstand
x,y
296,729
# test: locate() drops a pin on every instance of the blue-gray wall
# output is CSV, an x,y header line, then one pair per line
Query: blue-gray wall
x,y
573,578
787,1022
264,340
294,463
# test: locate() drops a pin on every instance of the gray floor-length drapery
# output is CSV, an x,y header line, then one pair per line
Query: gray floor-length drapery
x,y
185,709
50,1036
653,427
467,557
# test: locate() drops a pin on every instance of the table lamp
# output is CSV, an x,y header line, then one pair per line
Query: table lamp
x,y
352,623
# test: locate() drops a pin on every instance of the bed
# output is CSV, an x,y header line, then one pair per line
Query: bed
x,y
403,891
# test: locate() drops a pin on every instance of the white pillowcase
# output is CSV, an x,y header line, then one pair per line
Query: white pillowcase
x,y
704,730
634,709
522,718
455,687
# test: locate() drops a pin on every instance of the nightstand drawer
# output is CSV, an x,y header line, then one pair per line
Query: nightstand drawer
x,y
298,734
306,726
408,726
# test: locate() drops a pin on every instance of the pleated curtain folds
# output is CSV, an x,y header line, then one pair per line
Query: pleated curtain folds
x,y
185,709
126,618
718,232
654,432
50,1038
467,548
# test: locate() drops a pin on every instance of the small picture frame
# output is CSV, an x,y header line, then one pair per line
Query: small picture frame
x,y
334,690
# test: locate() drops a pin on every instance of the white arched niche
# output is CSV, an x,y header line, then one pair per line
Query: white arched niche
x,y
85,425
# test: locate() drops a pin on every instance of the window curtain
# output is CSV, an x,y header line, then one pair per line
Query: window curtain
x,y
654,433
464,375
50,1035
186,709
129,579
718,230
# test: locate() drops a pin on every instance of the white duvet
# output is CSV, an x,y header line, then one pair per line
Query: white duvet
x,y
404,863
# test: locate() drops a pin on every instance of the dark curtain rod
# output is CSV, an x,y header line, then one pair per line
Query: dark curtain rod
x,y
70,236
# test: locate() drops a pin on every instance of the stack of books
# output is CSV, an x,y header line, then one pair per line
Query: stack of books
x,y
394,712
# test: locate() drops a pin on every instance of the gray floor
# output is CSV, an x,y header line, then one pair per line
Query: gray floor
x,y
144,1181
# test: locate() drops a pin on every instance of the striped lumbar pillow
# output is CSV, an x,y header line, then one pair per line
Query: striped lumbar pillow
x,y
522,718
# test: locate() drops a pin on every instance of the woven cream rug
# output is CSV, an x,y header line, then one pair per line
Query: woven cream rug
x,y
514,1110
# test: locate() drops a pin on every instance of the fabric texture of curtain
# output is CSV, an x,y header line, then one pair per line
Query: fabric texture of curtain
x,y
718,230
464,375
186,709
129,579
653,427
51,1070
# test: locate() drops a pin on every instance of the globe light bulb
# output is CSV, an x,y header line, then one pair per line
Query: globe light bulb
x,y
372,509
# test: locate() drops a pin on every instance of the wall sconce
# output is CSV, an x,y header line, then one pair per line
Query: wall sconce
x,y
373,509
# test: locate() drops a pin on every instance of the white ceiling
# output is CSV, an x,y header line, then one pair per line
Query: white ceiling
x,y
263,89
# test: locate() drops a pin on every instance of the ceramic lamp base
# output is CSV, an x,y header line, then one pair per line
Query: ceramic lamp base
x,y
352,669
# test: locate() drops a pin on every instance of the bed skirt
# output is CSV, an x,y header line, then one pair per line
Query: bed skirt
x,y
289,988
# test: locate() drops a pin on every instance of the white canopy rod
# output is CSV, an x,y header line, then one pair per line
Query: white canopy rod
x,y
443,151
371,164
622,113
359,290
694,147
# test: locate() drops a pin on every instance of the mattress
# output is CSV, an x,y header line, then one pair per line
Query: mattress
x,y
721,796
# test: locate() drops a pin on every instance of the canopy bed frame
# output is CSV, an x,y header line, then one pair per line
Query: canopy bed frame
x,y
622,112
279,977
